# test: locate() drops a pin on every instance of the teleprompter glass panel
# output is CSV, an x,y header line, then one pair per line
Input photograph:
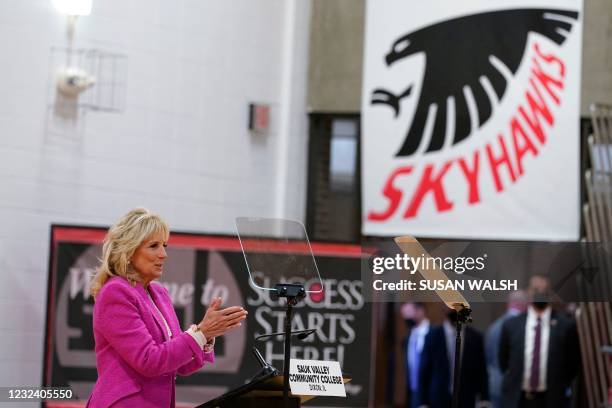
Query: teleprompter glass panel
x,y
278,251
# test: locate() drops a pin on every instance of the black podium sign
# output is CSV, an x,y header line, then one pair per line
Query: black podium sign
x,y
200,267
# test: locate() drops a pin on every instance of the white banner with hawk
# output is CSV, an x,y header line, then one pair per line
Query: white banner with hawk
x,y
471,119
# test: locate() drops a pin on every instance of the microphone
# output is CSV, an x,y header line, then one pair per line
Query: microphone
x,y
306,333
301,334
265,367
259,357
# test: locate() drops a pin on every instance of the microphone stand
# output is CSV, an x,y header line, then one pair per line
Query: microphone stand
x,y
463,317
294,293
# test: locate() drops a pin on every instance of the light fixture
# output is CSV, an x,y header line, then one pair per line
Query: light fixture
x,y
73,7
72,80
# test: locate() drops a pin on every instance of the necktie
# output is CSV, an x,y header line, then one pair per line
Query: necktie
x,y
534,380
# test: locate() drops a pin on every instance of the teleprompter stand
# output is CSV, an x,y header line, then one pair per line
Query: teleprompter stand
x,y
294,293
463,317
452,298
277,251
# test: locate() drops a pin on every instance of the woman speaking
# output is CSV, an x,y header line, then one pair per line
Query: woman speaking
x,y
140,347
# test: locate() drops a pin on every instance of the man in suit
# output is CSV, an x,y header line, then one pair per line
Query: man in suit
x,y
415,316
538,353
437,362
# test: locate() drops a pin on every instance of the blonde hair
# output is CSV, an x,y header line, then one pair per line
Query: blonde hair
x,y
120,243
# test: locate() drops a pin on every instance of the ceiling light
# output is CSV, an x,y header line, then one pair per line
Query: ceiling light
x,y
73,7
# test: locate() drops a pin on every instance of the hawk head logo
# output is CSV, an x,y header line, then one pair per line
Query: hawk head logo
x,y
466,58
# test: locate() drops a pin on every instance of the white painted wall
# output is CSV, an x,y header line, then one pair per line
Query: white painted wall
x,y
180,148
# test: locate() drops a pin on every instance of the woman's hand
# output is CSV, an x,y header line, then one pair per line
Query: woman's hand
x,y
217,321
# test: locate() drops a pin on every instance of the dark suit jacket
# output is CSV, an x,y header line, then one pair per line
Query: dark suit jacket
x,y
434,372
562,365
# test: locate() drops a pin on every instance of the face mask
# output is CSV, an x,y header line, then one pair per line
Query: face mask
x,y
540,305
410,323
540,300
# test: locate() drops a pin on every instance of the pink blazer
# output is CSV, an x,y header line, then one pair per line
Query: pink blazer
x,y
137,363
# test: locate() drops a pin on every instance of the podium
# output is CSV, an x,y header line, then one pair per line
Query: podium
x,y
265,391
